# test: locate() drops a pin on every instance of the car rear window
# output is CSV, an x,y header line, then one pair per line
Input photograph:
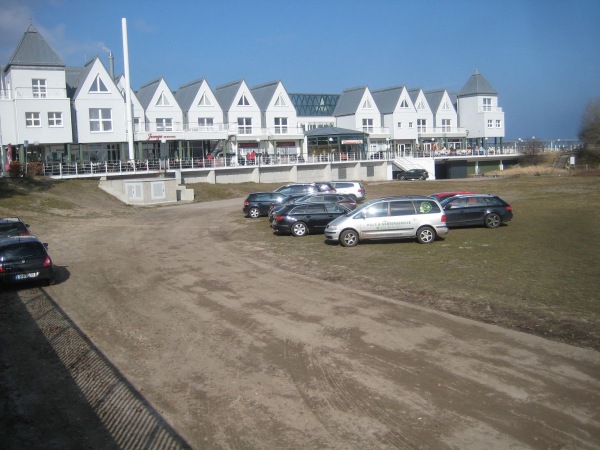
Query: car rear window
x,y
21,250
401,208
14,228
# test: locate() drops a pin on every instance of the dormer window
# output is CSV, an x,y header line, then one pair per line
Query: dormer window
x,y
204,101
280,101
98,85
162,100
243,101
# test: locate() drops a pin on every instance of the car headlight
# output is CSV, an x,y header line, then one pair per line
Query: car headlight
x,y
331,227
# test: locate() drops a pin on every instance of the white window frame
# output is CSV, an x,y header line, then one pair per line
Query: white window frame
x,y
33,120
281,125
163,100
404,104
98,86
446,125
243,101
498,123
206,123
245,125
490,123
487,104
38,88
367,125
164,124
100,120
422,125
204,100
55,119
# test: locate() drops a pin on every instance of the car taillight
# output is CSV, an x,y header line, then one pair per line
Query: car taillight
x,y
47,262
509,208
246,203
443,218
2,268
278,218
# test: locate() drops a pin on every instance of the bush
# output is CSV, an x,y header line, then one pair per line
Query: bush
x,y
15,169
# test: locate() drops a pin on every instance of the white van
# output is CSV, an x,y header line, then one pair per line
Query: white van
x,y
408,217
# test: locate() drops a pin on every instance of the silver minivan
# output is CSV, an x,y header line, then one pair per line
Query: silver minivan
x,y
408,217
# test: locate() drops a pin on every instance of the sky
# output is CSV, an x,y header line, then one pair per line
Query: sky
x,y
541,56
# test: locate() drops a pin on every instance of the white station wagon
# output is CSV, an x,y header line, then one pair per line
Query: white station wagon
x,y
409,217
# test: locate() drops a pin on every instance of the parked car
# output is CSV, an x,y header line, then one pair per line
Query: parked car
x,y
476,209
305,188
301,219
258,203
408,217
25,258
441,196
345,200
354,188
13,226
413,174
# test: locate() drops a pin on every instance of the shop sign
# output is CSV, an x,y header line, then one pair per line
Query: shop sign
x,y
159,137
352,141
285,144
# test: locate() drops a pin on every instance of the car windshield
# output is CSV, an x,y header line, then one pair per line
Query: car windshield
x,y
364,205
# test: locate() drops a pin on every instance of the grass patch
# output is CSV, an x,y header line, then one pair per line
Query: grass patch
x,y
538,274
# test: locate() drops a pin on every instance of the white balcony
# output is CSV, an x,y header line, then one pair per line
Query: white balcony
x,y
37,93
436,132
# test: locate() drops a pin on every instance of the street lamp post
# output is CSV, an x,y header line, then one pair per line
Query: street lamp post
x,y
25,145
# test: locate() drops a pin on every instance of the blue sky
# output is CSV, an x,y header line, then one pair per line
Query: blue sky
x,y
542,56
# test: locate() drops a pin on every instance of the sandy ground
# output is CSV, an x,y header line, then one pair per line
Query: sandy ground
x,y
167,329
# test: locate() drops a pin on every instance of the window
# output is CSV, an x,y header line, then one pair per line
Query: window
x,y
280,101
205,123
421,125
446,106
487,104
281,125
38,87
98,85
421,105
401,208
164,124
32,119
404,104
55,119
446,126
498,124
399,124
243,101
367,104
367,125
410,124
245,125
427,207
204,101
163,100
100,119
377,210
490,123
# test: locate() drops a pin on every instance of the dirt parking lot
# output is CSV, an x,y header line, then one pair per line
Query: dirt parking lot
x,y
170,328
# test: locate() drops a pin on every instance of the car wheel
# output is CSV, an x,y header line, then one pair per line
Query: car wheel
x,y
353,197
254,213
492,220
426,235
349,238
421,177
299,229
403,178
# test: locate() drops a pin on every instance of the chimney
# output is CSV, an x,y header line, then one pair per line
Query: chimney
x,y
111,65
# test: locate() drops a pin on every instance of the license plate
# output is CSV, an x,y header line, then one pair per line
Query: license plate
x,y
25,276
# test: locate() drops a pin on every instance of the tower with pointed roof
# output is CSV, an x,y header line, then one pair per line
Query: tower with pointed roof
x,y
34,107
479,112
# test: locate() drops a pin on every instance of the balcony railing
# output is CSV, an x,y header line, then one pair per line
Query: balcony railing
x,y
487,109
35,93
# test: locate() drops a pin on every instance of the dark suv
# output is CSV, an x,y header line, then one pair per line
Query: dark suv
x,y
305,188
259,203
13,226
25,258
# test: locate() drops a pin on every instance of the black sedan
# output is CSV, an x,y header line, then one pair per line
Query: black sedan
x,y
301,219
476,209
413,174
259,203
25,258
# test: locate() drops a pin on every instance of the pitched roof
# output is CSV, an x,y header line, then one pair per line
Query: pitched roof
x,y
387,99
83,74
33,50
147,91
434,99
186,94
225,94
264,93
73,77
477,85
349,101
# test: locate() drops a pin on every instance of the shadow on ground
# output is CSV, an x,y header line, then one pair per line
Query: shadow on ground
x,y
57,390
